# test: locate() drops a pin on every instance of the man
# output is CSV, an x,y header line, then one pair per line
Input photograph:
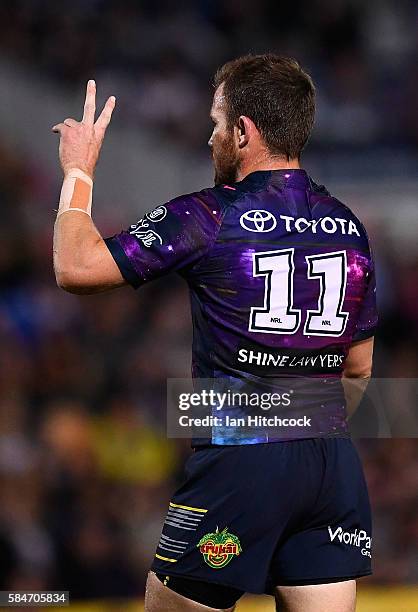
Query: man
x,y
281,276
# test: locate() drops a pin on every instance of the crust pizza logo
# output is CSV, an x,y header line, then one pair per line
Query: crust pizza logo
x,y
219,548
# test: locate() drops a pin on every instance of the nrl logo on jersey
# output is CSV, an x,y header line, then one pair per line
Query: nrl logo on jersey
x,y
219,548
157,215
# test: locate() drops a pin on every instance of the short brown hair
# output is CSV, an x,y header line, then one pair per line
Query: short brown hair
x,y
276,94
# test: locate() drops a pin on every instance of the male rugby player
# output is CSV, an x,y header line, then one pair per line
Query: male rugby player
x,y
282,283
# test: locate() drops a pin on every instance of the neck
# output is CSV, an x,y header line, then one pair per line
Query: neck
x,y
266,162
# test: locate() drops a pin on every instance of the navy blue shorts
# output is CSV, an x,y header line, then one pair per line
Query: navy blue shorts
x,y
253,517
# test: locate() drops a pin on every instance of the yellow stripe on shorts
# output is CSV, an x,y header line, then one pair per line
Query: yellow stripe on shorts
x,y
165,558
188,508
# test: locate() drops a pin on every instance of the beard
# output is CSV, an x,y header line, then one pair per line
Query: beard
x,y
226,161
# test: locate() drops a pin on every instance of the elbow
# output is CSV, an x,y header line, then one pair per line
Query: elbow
x,y
359,372
72,281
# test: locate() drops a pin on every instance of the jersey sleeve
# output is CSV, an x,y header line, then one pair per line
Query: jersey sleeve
x,y
368,317
171,238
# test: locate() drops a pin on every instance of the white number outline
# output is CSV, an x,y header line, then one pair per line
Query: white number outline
x,y
322,289
267,292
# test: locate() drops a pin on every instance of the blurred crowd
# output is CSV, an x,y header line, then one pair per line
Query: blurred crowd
x,y
86,470
160,57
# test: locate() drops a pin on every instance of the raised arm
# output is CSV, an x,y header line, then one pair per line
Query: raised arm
x,y
82,261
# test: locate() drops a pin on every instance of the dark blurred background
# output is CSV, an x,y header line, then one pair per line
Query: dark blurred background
x,y
86,471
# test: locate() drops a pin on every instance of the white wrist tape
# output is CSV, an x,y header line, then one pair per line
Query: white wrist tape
x,y
76,192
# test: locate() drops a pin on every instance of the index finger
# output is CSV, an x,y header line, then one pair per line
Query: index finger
x,y
90,103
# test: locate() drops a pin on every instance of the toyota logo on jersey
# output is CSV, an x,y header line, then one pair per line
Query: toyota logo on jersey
x,y
258,221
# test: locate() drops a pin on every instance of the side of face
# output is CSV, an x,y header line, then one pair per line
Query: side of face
x,y
224,142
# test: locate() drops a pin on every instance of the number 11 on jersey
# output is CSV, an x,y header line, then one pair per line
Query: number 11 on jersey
x,y
278,315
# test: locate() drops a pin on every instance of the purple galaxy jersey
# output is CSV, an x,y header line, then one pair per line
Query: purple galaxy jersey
x,y
280,274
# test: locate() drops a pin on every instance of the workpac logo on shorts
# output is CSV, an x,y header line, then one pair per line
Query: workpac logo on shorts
x,y
219,548
358,538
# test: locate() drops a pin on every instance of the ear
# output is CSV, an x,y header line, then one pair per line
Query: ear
x,y
246,130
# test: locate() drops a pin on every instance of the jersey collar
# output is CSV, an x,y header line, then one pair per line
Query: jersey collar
x,y
286,177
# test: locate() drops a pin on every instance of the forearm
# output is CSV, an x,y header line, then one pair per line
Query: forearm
x,y
354,389
357,372
82,261
76,241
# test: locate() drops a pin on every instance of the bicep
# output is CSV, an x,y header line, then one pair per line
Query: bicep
x,y
358,363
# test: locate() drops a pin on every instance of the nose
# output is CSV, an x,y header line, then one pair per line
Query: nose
x,y
210,141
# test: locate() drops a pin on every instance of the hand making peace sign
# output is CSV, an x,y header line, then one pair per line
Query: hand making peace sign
x,y
81,141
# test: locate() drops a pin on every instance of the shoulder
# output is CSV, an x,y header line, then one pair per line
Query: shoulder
x,y
213,201
325,204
